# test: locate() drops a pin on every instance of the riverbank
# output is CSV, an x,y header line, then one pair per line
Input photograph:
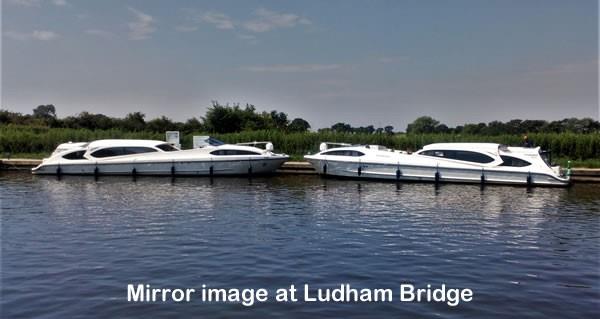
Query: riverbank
x,y
21,141
581,174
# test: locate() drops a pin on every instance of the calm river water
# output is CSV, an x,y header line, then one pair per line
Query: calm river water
x,y
71,246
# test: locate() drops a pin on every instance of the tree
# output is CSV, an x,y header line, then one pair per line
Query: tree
x,y
423,124
389,129
471,129
496,128
223,118
341,127
45,112
192,125
534,126
134,121
442,128
161,124
514,127
254,121
8,117
280,120
90,121
575,125
298,125
475,128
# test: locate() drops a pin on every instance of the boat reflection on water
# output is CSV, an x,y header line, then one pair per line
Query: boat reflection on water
x,y
515,248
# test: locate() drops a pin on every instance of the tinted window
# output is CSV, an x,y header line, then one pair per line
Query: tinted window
x,y
166,147
75,155
435,153
472,157
137,150
546,156
344,153
107,152
466,156
214,142
118,151
513,161
233,152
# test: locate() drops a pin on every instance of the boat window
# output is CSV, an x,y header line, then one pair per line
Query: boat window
x,y
344,153
215,142
472,157
513,161
75,155
546,156
466,156
119,151
433,153
137,150
108,152
167,147
233,152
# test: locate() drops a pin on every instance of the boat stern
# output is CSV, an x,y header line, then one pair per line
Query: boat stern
x,y
315,161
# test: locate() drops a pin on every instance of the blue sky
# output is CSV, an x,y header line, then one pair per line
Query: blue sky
x,y
360,62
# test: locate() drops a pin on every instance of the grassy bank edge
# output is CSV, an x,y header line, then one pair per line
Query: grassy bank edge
x,y
588,163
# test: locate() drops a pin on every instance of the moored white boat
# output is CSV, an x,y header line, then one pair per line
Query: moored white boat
x,y
146,157
485,163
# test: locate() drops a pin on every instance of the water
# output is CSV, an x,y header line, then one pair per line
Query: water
x,y
71,246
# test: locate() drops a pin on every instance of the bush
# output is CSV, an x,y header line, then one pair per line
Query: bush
x,y
36,139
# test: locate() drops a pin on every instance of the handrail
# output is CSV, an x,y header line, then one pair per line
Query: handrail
x,y
268,146
253,143
337,143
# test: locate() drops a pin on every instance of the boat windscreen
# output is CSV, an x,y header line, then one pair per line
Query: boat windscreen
x,y
214,142
68,146
167,147
547,157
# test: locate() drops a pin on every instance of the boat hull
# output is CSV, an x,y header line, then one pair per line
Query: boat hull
x,y
436,174
184,167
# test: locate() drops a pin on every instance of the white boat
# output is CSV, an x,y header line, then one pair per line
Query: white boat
x,y
146,157
442,162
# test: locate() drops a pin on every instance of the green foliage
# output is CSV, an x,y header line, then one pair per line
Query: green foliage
x,y
426,124
423,124
192,125
41,132
225,119
298,125
134,122
45,112
347,128
161,125
228,119
30,139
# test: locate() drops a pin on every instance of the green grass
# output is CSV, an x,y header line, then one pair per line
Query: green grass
x,y
587,163
37,142
25,155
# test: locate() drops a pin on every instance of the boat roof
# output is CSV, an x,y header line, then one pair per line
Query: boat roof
x,y
481,147
124,142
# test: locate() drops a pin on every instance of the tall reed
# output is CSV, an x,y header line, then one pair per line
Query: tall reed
x,y
30,139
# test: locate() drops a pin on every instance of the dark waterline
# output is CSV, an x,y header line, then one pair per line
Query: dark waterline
x,y
70,246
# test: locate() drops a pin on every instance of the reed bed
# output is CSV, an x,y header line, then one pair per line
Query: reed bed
x,y
17,139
